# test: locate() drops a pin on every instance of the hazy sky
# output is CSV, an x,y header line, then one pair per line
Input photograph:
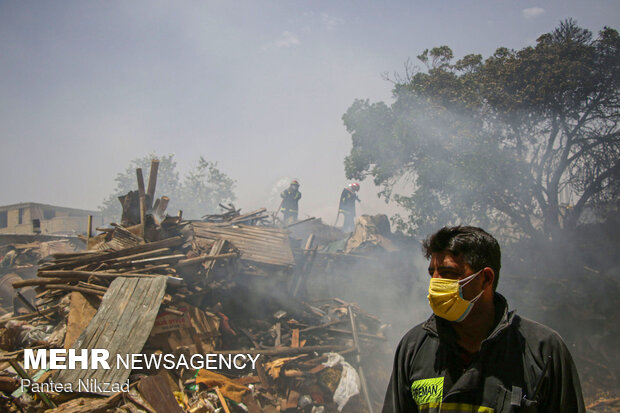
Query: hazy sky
x,y
260,87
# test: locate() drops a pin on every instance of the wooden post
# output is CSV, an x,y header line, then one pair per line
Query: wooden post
x,y
89,230
142,196
150,192
305,266
163,204
358,350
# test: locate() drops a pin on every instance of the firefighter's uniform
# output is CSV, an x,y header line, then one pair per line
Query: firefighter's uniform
x,y
290,205
347,208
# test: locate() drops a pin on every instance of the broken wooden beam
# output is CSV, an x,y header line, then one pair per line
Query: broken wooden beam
x,y
150,192
358,350
142,196
41,281
90,258
203,258
73,288
161,207
85,275
157,392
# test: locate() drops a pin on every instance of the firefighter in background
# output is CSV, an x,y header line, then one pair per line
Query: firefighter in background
x,y
290,202
347,205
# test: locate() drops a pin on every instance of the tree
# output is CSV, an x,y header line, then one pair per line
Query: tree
x,y
204,188
197,194
498,141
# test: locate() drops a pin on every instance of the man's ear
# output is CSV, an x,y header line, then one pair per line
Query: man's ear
x,y
488,276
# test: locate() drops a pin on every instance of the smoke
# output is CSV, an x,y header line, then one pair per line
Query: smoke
x,y
565,285
75,111
568,281
273,200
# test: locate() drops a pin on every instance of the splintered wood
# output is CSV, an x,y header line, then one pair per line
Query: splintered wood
x,y
122,325
156,391
227,286
82,311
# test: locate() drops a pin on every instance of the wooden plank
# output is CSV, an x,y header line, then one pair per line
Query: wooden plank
x,y
152,260
222,400
257,244
121,325
142,196
163,204
292,400
216,249
58,256
42,281
93,258
73,288
134,319
81,311
89,232
156,391
157,252
202,258
150,192
304,268
85,275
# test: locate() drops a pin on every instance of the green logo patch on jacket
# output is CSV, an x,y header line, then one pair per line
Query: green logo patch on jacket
x,y
427,390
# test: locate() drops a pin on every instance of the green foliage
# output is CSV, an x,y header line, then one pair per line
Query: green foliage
x,y
204,188
495,142
197,194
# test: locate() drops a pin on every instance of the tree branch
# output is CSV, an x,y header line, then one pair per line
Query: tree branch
x,y
587,148
592,189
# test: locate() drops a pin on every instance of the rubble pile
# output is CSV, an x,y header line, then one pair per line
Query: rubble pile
x,y
19,258
251,296
228,285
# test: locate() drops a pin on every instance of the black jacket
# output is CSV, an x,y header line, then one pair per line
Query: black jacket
x,y
347,201
290,200
430,375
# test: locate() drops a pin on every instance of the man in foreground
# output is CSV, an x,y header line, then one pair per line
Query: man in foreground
x,y
472,354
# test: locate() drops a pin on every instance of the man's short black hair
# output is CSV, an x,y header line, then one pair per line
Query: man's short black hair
x,y
478,248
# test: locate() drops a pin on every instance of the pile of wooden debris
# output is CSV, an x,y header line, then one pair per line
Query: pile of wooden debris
x,y
159,285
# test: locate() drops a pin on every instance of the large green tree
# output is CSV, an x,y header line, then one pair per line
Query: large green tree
x,y
499,142
198,193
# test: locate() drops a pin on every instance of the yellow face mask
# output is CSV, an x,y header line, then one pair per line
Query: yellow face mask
x,y
446,298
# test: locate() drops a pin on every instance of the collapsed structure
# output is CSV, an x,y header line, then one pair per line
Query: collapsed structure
x,y
237,284
232,284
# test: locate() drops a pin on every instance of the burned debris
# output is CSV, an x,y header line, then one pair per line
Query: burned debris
x,y
227,286
251,299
